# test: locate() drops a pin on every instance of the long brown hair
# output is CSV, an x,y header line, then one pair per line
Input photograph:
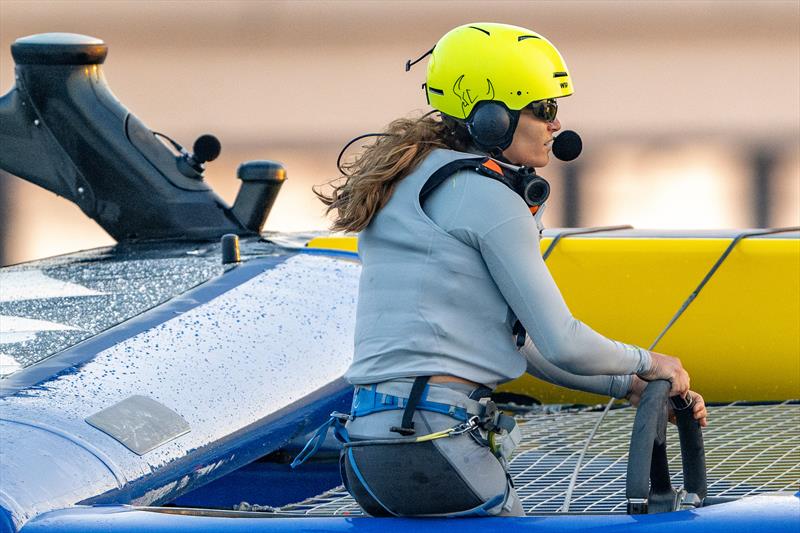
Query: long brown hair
x,y
368,181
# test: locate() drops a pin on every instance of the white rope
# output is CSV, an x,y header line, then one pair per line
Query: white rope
x,y
568,496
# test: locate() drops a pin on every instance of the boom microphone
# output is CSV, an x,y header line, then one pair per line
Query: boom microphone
x,y
567,146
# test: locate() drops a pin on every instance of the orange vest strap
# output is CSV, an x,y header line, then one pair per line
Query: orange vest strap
x,y
493,166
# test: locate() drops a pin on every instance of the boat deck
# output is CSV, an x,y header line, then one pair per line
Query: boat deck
x,y
750,449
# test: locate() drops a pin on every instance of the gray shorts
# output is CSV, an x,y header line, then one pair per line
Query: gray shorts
x,y
448,476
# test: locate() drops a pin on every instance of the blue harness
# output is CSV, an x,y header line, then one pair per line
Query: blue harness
x,y
366,401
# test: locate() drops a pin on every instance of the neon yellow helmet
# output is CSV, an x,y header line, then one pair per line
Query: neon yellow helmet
x,y
490,61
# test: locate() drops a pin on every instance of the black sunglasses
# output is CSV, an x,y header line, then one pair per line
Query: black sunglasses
x,y
544,109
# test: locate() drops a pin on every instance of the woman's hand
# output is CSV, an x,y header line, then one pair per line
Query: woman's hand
x,y
698,403
669,368
637,389
698,409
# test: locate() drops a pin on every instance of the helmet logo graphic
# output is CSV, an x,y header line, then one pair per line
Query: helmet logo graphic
x,y
469,95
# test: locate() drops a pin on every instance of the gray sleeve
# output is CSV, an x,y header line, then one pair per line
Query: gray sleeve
x,y
488,216
616,386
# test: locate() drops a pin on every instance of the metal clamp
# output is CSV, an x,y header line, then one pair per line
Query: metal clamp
x,y
469,425
637,505
690,500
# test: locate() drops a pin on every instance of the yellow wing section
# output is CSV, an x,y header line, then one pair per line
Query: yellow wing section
x,y
341,243
739,339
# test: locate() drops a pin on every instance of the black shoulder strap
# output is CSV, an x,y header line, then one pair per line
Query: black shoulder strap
x,y
444,172
485,166
407,426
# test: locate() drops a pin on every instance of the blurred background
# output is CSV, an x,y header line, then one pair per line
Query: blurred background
x,y
689,111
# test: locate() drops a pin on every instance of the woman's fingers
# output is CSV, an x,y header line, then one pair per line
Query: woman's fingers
x,y
680,378
637,388
670,368
699,409
680,384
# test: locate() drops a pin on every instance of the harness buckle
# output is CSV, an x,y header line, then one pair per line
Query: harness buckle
x,y
473,423
490,414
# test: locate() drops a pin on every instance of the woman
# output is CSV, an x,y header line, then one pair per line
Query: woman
x,y
450,264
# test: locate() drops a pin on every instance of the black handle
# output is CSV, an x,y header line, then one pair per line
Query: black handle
x,y
647,457
648,487
693,454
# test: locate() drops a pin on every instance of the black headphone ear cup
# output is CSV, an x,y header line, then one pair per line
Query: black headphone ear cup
x,y
491,126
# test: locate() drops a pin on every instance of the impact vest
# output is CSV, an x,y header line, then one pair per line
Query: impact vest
x,y
427,303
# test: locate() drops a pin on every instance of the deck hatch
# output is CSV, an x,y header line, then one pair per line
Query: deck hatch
x,y
139,423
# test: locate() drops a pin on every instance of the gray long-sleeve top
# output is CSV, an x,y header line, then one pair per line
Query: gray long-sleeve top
x,y
440,287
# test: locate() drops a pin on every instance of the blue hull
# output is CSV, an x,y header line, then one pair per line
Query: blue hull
x,y
769,513
228,370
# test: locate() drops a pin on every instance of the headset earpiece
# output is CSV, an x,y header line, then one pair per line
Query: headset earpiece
x,y
491,125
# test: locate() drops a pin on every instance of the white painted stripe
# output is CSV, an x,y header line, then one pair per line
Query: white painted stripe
x,y
19,329
8,365
34,284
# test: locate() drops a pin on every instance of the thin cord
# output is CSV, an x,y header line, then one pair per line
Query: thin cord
x,y
568,496
410,63
346,146
581,231
364,136
714,268
174,143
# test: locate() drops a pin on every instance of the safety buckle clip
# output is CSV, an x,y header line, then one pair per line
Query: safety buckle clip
x,y
469,425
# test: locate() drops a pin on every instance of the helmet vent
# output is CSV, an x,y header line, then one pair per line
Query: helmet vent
x,y
560,74
436,91
523,37
480,29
